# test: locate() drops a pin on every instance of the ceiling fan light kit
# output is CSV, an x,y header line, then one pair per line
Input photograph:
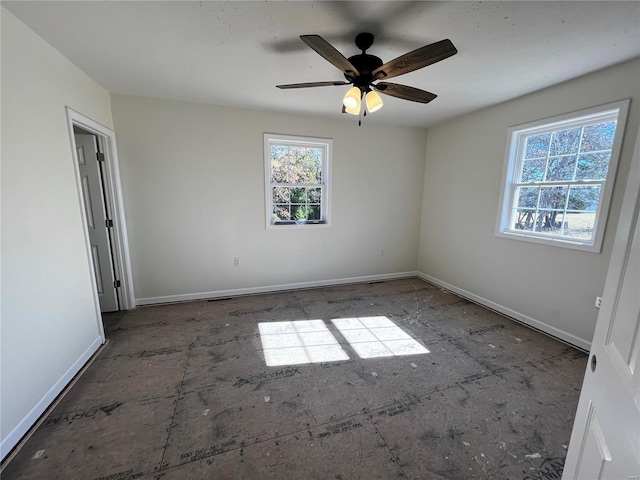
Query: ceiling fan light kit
x,y
353,111
374,102
363,70
351,99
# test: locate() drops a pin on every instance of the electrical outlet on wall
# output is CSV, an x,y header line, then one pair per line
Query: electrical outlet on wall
x,y
236,261
598,302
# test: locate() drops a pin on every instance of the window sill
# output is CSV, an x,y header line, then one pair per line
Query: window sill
x,y
552,242
285,225
300,222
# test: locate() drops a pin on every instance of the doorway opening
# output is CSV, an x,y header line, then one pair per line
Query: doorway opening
x,y
100,196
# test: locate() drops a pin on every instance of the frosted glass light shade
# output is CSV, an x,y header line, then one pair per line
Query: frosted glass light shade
x,y
352,98
374,102
353,111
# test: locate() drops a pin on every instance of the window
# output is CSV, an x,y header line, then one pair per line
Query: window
x,y
559,175
297,180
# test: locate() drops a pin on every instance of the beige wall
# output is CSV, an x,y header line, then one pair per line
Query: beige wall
x,y
550,287
194,194
193,187
48,314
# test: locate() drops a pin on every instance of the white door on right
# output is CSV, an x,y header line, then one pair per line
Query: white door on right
x,y
605,442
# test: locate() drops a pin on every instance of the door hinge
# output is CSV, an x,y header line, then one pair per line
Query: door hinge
x,y
100,156
108,223
116,284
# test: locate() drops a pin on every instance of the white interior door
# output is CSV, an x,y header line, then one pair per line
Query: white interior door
x,y
93,197
605,442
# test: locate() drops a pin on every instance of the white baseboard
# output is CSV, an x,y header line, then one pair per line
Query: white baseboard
x,y
22,428
532,322
271,288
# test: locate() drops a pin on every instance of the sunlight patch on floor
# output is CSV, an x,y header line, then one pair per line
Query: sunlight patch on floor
x,y
299,342
373,337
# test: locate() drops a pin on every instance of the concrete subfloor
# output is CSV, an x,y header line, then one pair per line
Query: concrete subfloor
x,y
182,392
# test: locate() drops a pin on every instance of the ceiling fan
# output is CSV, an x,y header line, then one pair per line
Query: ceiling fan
x,y
364,70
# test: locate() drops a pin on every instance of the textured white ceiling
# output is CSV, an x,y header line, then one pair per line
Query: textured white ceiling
x,y
234,53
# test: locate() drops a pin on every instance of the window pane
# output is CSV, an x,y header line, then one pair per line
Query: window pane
x,y
278,170
281,194
553,198
300,212
537,146
560,223
301,203
548,221
299,195
281,212
528,197
532,170
278,152
295,152
598,137
584,198
315,195
314,212
524,219
295,166
561,168
565,141
593,166
580,225
313,166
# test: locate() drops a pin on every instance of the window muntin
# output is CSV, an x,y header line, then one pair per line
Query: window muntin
x,y
297,172
559,176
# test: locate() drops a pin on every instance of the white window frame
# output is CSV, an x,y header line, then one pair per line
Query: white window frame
x,y
513,163
327,146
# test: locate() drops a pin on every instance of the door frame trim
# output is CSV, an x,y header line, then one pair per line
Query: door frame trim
x,y
115,205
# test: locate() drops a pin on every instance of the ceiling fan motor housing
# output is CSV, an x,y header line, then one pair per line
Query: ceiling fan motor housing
x,y
365,64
